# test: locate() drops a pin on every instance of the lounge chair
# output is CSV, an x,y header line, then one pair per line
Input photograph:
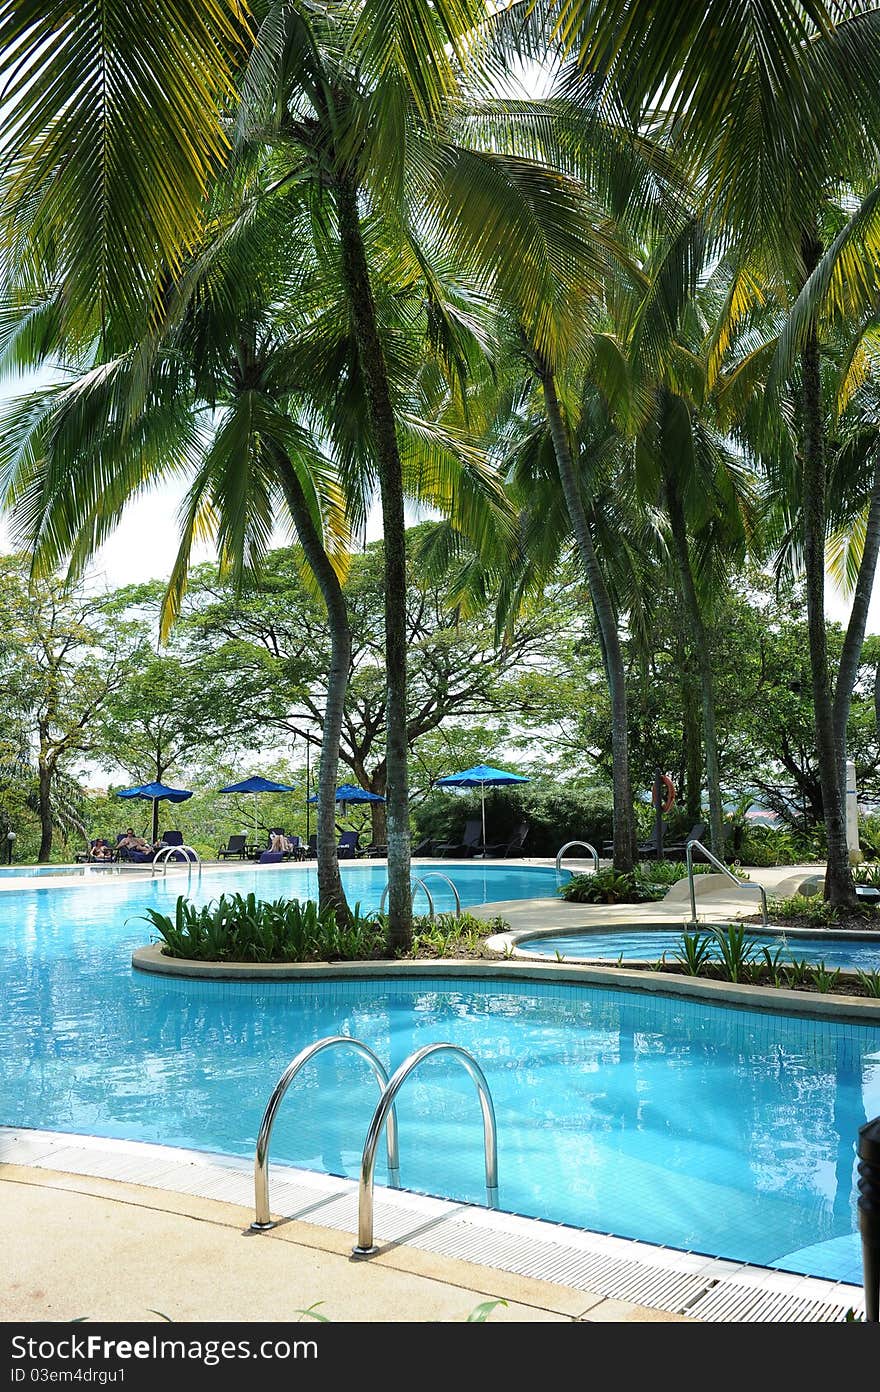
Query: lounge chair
x,y
646,850
509,848
678,849
271,857
349,845
312,848
136,857
375,851
470,843
172,838
235,846
297,849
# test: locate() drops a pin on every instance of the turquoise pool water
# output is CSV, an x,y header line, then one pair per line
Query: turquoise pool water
x,y
700,1127
648,945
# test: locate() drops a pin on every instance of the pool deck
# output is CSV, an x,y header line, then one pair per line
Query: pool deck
x,y
117,1231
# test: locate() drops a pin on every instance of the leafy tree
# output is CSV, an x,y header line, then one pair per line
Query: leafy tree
x,y
63,657
271,643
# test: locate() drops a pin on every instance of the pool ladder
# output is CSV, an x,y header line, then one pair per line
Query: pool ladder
x,y
189,854
419,882
384,1119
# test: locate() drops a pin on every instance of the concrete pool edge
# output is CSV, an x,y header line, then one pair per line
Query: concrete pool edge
x,y
858,1009
620,1270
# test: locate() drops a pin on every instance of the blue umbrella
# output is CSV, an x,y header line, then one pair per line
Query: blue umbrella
x,y
257,784
155,793
347,792
481,776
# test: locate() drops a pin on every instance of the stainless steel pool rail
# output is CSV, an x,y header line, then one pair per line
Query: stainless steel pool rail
x,y
191,856
416,884
438,875
262,1212
384,1110
586,845
719,864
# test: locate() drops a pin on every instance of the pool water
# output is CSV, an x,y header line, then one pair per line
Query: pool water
x,y
648,945
700,1127
477,883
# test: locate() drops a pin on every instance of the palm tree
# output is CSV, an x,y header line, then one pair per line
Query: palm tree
x,y
220,395
773,113
362,111
111,131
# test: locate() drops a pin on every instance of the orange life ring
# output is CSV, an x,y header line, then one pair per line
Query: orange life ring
x,y
669,801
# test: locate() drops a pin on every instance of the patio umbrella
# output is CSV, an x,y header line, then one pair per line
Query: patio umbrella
x,y
481,776
347,792
257,785
155,793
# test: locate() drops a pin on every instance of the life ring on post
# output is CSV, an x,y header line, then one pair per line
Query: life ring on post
x,y
668,801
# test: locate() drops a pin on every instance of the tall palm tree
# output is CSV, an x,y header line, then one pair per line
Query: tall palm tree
x,y
773,112
361,109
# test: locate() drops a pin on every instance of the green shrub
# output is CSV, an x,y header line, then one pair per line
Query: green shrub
x,y
737,952
810,910
611,887
762,846
239,928
695,953
823,979
869,836
870,983
235,928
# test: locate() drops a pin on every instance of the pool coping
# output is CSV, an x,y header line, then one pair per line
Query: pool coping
x,y
695,1284
859,1009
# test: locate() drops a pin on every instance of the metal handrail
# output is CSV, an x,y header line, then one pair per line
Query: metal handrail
x,y
262,1213
415,885
365,1247
740,884
164,856
587,847
438,875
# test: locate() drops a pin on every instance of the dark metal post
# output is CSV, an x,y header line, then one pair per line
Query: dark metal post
x,y
658,813
869,1214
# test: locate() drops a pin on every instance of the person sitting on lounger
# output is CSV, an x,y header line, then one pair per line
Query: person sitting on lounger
x,y
131,842
101,850
279,842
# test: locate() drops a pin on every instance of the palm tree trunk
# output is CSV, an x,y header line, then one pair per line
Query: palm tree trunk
x,y
700,649
45,805
356,276
330,891
838,876
623,823
855,629
692,738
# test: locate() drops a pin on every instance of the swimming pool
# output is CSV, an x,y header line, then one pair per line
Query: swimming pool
x,y
701,1127
477,882
850,952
